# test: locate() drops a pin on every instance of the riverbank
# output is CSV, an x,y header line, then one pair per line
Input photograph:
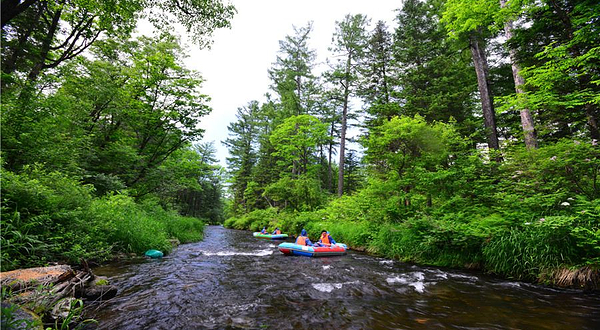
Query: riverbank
x,y
545,252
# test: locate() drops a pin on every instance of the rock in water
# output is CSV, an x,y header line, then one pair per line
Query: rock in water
x,y
61,310
100,289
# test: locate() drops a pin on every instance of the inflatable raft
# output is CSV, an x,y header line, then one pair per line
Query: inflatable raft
x,y
270,236
313,251
154,254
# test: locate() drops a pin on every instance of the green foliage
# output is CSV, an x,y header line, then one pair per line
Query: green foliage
x,y
301,194
199,17
437,81
184,229
191,181
533,249
254,220
102,281
38,205
129,226
402,143
557,171
358,234
531,215
47,216
89,141
462,17
296,140
562,76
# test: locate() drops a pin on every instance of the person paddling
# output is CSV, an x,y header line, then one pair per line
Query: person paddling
x,y
303,239
277,231
263,231
326,239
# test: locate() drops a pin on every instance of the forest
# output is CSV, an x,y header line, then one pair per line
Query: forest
x,y
478,144
100,138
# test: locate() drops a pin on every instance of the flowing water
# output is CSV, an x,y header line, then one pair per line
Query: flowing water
x,y
232,280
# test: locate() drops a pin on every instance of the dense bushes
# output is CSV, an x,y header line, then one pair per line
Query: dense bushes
x,y
47,216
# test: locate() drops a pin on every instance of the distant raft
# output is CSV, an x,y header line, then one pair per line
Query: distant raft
x,y
270,236
313,251
154,254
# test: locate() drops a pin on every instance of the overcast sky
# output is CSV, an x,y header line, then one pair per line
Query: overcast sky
x,y
235,68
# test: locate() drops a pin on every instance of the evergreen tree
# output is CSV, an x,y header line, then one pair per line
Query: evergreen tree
x,y
350,40
435,78
202,198
242,145
353,172
378,69
292,74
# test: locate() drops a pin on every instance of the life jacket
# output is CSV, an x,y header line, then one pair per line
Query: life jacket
x,y
277,232
263,231
325,238
301,240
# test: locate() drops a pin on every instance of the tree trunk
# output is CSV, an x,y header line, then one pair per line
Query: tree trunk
x,y
342,148
298,92
45,49
12,8
592,113
530,135
487,105
343,130
10,64
329,157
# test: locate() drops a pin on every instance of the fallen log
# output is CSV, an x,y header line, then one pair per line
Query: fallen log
x,y
53,288
22,279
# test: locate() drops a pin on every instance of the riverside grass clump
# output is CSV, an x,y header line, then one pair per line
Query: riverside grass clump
x,y
48,216
549,245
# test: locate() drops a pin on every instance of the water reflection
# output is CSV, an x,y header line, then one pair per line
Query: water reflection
x,y
234,281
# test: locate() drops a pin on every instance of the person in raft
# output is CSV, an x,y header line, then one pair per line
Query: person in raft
x,y
277,231
326,239
263,231
303,239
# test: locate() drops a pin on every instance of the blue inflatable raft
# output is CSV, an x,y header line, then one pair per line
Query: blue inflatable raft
x,y
313,251
269,236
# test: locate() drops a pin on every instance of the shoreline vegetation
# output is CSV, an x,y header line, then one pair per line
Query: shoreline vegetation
x,y
49,217
532,224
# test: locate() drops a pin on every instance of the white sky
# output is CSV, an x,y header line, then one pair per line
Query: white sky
x,y
235,68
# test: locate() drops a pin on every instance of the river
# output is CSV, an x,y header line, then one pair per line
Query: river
x,y
232,280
